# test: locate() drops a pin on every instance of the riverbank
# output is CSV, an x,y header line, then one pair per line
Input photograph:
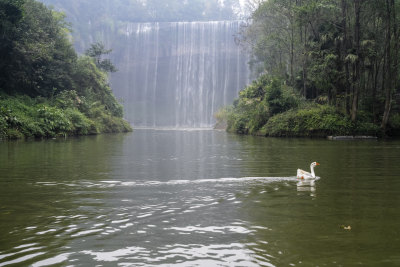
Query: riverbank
x,y
64,115
315,120
268,107
46,88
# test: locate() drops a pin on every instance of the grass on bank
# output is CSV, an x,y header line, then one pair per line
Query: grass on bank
x,y
66,114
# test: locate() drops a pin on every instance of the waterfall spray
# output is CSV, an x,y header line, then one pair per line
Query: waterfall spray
x,y
178,74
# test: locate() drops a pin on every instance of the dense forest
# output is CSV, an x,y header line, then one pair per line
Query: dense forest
x,y
46,89
325,66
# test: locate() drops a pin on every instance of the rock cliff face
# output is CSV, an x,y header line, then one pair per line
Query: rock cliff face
x,y
177,74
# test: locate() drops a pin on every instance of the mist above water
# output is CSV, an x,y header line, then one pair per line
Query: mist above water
x,y
177,74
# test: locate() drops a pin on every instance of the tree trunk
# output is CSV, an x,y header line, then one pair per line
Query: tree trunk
x,y
356,75
292,56
344,54
305,63
391,67
374,90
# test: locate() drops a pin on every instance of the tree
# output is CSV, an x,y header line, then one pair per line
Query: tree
x,y
97,51
11,14
344,51
37,54
271,39
391,58
356,76
37,59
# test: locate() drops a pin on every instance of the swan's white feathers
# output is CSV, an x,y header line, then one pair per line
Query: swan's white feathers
x,y
301,174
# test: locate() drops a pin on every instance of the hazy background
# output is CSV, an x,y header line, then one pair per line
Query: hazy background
x,y
179,61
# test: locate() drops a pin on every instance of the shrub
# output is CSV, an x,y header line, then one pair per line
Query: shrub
x,y
12,133
366,128
394,121
3,126
33,129
310,120
22,116
394,124
222,117
81,125
238,124
264,98
68,99
54,121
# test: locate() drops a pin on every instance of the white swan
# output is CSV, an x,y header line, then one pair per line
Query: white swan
x,y
306,175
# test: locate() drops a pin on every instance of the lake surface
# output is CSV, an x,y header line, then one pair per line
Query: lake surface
x,y
198,198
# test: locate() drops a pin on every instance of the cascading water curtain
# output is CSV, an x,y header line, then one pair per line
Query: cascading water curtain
x,y
178,74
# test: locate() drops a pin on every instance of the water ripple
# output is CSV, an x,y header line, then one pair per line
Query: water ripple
x,y
155,215
212,229
181,255
21,259
138,183
53,260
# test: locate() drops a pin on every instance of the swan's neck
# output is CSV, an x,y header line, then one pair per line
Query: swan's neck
x,y
312,171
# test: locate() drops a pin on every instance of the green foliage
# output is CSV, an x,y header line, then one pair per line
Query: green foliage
x,y
268,107
395,121
280,98
23,116
3,126
394,124
264,98
314,120
310,120
345,53
222,117
54,120
62,94
44,63
97,51
94,86
16,115
69,99
11,12
42,56
80,124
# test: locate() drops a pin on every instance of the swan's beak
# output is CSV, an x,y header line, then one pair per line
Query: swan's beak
x,y
317,163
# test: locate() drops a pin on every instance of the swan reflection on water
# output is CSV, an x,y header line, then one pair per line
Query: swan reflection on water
x,y
306,180
307,185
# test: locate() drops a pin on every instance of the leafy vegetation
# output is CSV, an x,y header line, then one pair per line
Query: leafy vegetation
x,y
45,88
96,51
317,121
269,107
342,54
66,114
261,100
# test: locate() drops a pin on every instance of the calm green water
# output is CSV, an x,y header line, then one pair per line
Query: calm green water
x,y
198,198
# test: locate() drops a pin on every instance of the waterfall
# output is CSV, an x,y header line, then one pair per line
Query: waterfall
x,y
177,74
